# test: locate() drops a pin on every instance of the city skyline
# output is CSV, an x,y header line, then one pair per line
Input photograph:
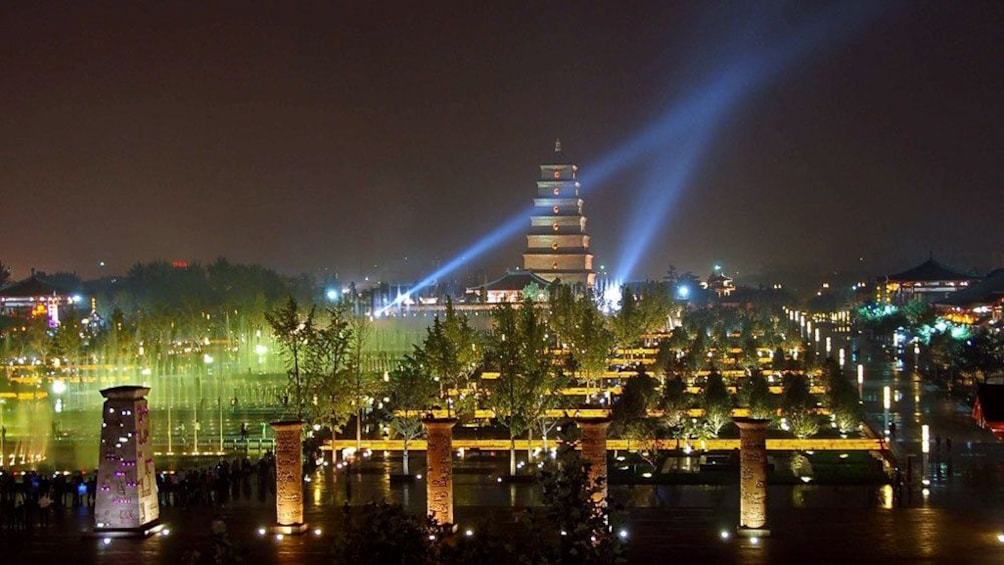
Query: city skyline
x,y
345,137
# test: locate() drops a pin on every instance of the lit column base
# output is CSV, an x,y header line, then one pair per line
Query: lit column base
x,y
143,531
290,529
752,532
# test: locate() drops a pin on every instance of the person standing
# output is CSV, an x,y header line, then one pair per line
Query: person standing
x,y
44,502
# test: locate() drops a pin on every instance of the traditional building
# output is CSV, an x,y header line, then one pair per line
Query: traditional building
x,y
512,288
34,297
930,281
977,304
557,245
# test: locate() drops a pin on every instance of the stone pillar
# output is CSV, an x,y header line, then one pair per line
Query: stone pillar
x,y
126,498
594,449
752,476
439,469
288,478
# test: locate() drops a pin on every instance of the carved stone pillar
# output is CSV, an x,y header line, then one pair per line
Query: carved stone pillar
x,y
288,478
752,476
593,442
439,469
126,499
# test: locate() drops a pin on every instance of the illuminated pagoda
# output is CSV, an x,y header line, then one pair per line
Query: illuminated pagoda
x,y
557,243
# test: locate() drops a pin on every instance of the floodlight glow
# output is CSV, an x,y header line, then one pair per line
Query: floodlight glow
x,y
683,291
676,140
332,294
493,238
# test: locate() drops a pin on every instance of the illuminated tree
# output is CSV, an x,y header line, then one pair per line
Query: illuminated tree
x,y
452,351
363,384
579,328
797,404
519,347
294,331
412,390
674,400
717,403
327,370
755,394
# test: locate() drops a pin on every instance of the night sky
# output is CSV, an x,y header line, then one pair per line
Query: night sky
x,y
355,134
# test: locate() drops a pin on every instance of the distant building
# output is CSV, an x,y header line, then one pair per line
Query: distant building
x,y
978,303
513,287
930,281
557,243
719,283
34,297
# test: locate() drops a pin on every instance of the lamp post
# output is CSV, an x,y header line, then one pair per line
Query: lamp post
x,y
3,435
886,403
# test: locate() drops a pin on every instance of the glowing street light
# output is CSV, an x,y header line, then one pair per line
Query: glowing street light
x,y
886,403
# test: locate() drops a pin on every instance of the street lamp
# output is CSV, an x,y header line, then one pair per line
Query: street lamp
x,y
3,435
886,403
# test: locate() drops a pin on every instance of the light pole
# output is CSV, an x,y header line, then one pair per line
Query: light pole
x,y
3,435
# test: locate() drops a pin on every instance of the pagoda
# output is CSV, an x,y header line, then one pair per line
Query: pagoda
x,y
557,243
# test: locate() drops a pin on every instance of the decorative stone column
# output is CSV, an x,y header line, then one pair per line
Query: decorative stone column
x,y
752,476
439,469
288,478
126,502
593,442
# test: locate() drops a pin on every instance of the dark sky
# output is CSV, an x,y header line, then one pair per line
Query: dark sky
x,y
353,134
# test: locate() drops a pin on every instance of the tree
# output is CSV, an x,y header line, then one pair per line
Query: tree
x,y
294,332
630,415
453,353
796,405
674,400
363,384
518,345
755,394
412,390
579,328
639,394
982,355
627,323
842,398
327,370
717,403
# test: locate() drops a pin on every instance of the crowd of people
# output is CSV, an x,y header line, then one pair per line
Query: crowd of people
x,y
28,499
227,480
